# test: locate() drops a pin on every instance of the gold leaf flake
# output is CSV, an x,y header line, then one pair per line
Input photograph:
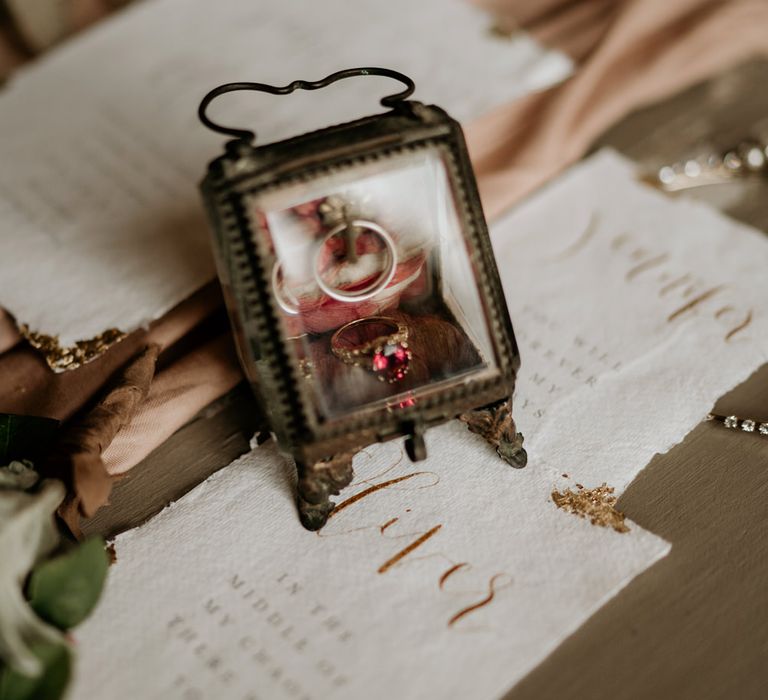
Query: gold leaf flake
x,y
597,504
64,358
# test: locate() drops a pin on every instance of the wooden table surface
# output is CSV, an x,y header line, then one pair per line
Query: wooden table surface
x,y
695,625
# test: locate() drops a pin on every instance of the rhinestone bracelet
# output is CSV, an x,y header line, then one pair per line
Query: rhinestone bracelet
x,y
748,158
746,424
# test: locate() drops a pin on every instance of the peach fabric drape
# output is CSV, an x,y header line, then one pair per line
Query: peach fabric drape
x,y
629,53
175,396
28,387
649,50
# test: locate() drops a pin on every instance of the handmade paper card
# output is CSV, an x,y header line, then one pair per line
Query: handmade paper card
x,y
101,150
648,309
449,578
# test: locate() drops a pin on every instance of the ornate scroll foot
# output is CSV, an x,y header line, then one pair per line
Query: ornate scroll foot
x,y
313,517
317,483
496,425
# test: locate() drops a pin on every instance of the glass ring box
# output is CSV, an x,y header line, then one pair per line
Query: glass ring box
x,y
361,286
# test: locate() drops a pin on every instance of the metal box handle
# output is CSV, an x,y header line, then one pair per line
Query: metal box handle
x,y
395,101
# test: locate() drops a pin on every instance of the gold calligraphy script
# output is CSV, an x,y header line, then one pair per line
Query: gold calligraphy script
x,y
681,291
681,288
416,541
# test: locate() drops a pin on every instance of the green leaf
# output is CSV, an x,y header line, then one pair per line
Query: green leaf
x,y
50,685
25,437
65,589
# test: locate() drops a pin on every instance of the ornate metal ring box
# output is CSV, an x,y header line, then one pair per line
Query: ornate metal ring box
x,y
361,286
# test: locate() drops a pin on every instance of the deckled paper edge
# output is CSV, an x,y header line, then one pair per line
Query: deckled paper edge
x,y
664,549
634,173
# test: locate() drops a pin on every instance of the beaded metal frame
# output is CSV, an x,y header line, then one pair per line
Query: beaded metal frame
x,y
323,449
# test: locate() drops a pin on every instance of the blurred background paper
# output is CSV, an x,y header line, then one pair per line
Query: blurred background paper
x,y
101,150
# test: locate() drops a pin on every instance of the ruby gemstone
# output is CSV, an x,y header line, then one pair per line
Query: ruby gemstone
x,y
391,362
